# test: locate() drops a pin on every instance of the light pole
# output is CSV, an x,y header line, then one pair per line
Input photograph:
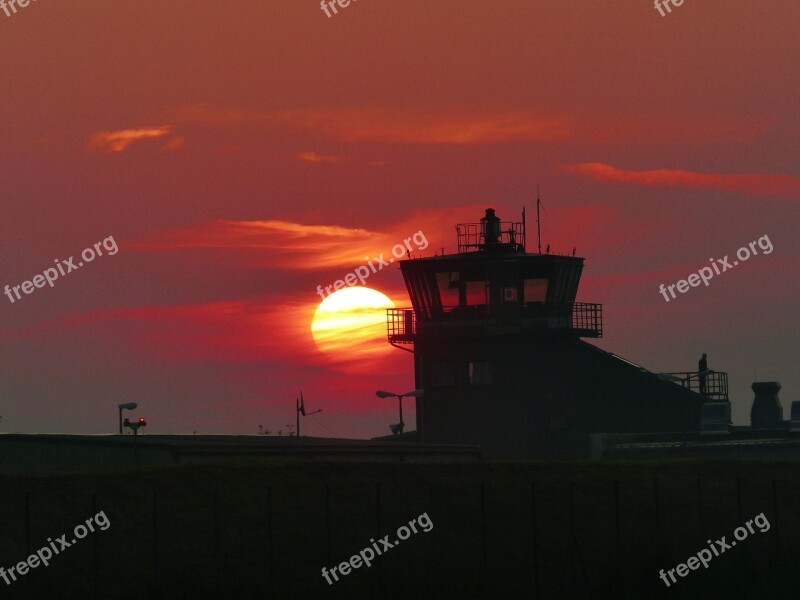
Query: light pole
x,y
126,406
413,394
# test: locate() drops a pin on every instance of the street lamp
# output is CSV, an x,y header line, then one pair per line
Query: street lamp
x,y
414,394
126,406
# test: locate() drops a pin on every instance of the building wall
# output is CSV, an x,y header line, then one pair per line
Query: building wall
x,y
539,397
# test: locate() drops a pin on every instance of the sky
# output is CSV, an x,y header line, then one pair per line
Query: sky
x,y
238,155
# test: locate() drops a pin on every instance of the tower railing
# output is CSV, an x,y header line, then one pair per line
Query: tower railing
x,y
401,326
711,384
471,237
584,318
587,318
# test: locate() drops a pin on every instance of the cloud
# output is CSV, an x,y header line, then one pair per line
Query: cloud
x,y
119,140
400,126
289,245
174,143
756,184
474,126
314,157
281,243
436,128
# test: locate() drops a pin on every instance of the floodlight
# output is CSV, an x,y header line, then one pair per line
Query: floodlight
x,y
125,406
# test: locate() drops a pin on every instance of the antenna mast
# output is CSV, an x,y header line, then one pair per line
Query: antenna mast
x,y
538,222
524,231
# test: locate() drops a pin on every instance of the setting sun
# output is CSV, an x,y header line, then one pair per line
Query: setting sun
x,y
351,323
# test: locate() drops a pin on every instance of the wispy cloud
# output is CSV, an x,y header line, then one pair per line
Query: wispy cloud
x,y
174,143
314,157
474,126
291,245
285,243
756,184
388,125
438,128
121,139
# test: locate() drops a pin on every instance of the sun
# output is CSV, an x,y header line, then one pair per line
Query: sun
x,y
351,323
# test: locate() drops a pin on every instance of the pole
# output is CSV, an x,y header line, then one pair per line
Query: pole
x,y
524,231
120,420
402,425
619,537
535,553
297,411
538,220
155,535
421,418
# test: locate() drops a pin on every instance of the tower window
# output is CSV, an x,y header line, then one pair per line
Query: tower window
x,y
476,293
535,290
448,284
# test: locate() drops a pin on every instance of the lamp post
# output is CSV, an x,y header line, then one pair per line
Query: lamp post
x,y
413,394
126,406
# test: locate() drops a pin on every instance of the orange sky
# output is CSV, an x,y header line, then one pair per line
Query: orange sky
x,y
242,154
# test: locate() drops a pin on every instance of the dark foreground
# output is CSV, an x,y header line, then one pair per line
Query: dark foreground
x,y
521,530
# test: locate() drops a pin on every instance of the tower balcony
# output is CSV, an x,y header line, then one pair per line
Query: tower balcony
x,y
583,319
711,384
500,235
401,327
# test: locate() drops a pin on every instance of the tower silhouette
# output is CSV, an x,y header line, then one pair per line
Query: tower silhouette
x,y
496,334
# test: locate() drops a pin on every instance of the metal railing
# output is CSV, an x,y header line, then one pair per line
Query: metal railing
x,y
582,317
471,238
587,317
711,384
401,326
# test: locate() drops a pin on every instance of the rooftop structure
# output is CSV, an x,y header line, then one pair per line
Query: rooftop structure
x,y
498,338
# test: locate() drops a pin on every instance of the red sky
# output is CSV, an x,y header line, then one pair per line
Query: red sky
x,y
241,154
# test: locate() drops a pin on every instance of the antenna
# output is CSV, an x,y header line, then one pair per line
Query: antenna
x,y
538,220
524,231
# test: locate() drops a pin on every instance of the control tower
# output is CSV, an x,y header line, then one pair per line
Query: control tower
x,y
497,337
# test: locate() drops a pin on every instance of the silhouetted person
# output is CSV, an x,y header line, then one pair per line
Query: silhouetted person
x,y
702,367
